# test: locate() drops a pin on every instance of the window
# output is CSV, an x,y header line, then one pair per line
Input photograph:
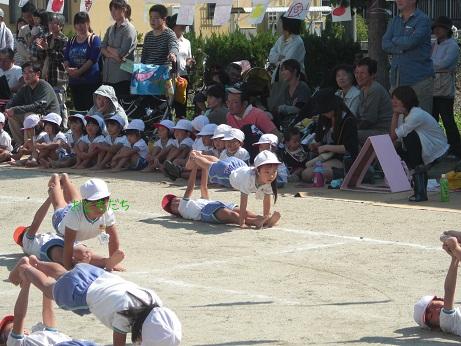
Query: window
x,y
15,10
210,11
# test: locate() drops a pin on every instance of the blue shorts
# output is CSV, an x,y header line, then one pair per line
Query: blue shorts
x,y
45,248
69,292
220,171
140,164
207,214
58,215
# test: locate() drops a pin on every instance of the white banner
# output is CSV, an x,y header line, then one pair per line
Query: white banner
x,y
222,14
298,9
56,6
186,12
259,10
21,2
85,5
341,14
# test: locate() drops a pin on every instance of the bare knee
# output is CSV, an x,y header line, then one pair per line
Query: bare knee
x,y
307,175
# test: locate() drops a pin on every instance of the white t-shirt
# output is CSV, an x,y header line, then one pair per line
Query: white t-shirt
x,y
76,220
5,140
32,246
43,137
39,338
88,140
198,145
118,140
190,208
107,296
141,145
185,52
158,143
244,180
13,75
450,321
188,142
71,141
241,154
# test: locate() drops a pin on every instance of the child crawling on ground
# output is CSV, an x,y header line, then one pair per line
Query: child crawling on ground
x,y
210,211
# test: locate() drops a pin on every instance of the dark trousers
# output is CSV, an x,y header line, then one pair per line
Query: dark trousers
x,y
412,154
82,95
122,89
443,107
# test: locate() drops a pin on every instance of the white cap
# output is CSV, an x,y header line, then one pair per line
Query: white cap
x,y
118,119
199,121
266,157
30,121
234,133
220,131
419,311
80,116
99,119
207,130
53,118
94,189
2,118
268,138
165,123
161,328
183,124
136,124
2,14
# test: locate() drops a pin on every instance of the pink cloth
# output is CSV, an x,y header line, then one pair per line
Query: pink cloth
x,y
255,117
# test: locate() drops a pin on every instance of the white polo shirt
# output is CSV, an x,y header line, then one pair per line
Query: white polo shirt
x,y
88,140
158,143
5,140
141,146
188,142
39,338
244,180
43,137
117,140
450,321
190,209
241,154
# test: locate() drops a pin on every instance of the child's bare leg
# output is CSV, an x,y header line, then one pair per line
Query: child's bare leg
x,y
116,258
204,184
272,221
15,275
55,192
39,217
228,216
71,193
122,163
40,280
51,269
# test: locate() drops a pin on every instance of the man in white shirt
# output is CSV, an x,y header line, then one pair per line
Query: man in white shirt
x,y
12,72
6,37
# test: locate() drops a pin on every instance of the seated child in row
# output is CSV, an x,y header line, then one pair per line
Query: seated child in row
x,y
233,172
161,147
85,150
5,141
204,209
218,144
233,140
32,128
113,142
294,155
197,125
106,104
181,148
66,154
270,142
49,141
133,153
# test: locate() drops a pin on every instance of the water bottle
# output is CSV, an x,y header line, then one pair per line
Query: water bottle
x,y
444,195
318,174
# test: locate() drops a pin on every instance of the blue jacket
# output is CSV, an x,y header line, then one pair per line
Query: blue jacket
x,y
410,45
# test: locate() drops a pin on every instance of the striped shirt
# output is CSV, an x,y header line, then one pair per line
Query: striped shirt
x,y
157,48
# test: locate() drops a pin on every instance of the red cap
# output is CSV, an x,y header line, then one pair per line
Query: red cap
x,y
166,202
19,234
7,319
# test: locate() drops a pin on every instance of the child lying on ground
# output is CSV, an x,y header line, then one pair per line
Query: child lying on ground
x,y
206,210
120,305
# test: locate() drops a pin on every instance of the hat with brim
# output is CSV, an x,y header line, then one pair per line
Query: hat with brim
x,y
266,157
161,328
99,120
78,116
267,138
6,320
166,202
443,22
419,311
30,121
94,189
19,234
117,119
53,118
168,124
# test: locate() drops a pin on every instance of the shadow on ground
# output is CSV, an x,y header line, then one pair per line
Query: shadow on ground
x,y
10,260
242,343
171,222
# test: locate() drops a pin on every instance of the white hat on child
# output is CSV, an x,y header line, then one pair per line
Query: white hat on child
x,y
31,121
94,189
207,130
419,311
161,328
234,134
118,119
53,118
2,14
221,131
266,157
183,124
136,124
199,121
2,117
98,119
268,138
165,123
79,116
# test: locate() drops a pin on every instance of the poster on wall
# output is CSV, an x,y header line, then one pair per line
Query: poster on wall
x,y
341,14
259,10
186,12
85,5
298,9
56,6
222,14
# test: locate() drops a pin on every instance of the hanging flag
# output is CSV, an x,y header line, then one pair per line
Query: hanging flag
x,y
22,2
186,12
341,14
222,14
56,6
298,9
258,12
85,5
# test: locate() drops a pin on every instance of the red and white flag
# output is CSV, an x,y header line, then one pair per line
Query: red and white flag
x,y
85,5
56,6
341,14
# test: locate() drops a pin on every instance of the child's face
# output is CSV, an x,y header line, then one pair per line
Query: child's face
x,y
113,129
101,103
175,205
233,145
207,141
264,146
54,26
267,173
213,102
92,129
37,21
82,254
180,134
96,208
1,126
48,128
293,143
432,314
76,125
133,136
163,132
201,106
219,144
156,21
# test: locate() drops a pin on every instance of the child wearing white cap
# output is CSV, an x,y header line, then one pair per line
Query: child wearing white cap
x,y
218,144
113,142
233,140
48,142
32,128
5,141
86,150
269,141
233,172
433,312
162,146
133,154
120,305
177,156
197,125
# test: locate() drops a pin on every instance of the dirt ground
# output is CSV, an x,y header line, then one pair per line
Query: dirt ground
x,y
342,268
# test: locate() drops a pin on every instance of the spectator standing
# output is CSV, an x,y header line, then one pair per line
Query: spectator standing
x,y
119,44
345,80
12,72
81,61
6,37
17,57
25,33
445,54
408,40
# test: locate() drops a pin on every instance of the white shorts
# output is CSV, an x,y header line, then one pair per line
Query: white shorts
x,y
32,245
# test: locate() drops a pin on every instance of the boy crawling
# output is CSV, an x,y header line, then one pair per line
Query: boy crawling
x,y
209,211
433,312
